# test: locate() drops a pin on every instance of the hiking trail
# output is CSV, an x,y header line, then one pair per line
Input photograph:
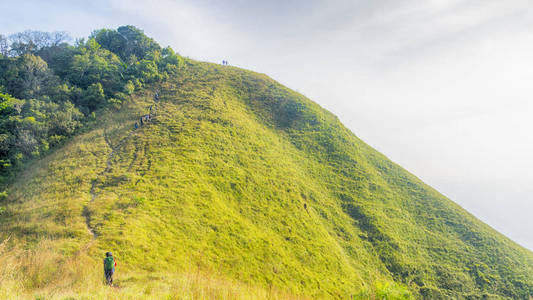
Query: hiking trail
x,y
86,213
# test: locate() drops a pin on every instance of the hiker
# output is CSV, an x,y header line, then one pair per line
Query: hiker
x,y
142,123
150,108
109,267
136,125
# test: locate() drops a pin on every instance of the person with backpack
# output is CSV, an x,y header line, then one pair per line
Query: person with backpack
x,y
109,267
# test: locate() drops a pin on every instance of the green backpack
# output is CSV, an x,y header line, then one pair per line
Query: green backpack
x,y
109,263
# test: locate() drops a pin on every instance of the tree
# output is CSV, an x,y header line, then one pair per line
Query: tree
x,y
147,70
137,43
110,40
126,41
129,87
29,41
58,37
33,73
64,119
58,58
25,139
9,109
4,46
93,98
94,64
64,92
170,61
26,76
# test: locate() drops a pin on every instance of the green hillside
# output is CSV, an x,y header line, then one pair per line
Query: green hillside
x,y
239,188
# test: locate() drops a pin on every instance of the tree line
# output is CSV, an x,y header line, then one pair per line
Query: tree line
x,y
50,88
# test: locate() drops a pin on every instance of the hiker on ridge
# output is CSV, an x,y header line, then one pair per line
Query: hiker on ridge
x,y
109,267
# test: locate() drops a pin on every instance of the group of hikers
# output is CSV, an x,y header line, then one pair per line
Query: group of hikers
x,y
224,62
147,118
109,260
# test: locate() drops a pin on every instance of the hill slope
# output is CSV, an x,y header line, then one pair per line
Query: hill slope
x,y
241,177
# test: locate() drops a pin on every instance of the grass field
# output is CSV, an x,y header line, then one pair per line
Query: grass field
x,y
240,189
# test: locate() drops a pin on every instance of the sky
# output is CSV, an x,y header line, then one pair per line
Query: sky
x,y
442,87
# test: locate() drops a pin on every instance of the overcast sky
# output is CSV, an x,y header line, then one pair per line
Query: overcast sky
x,y
442,87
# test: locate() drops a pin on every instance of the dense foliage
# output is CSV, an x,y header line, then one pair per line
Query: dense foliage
x,y
50,88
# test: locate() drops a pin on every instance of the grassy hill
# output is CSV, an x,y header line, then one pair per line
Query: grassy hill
x,y
240,188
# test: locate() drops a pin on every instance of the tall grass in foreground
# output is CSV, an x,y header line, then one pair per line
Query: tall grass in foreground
x,y
45,274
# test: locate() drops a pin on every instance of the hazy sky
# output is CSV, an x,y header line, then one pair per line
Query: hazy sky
x,y
442,87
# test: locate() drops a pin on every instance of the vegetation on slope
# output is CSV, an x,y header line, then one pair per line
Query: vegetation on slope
x,y
49,88
243,180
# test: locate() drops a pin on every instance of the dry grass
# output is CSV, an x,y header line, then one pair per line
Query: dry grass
x,y
45,274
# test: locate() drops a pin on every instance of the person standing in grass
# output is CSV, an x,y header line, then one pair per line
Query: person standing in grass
x,y
109,267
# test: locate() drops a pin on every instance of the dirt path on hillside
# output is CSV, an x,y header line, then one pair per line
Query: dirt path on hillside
x,y
86,213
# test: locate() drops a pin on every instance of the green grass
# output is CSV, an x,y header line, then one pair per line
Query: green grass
x,y
256,188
